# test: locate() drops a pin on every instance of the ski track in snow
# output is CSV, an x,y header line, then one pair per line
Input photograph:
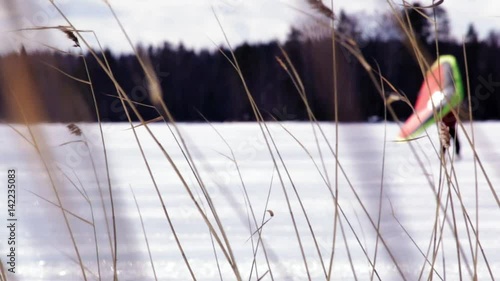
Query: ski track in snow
x,y
45,251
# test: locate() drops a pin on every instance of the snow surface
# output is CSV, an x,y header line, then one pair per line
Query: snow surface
x,y
45,251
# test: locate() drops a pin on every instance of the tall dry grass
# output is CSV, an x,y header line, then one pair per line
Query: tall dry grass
x,y
450,205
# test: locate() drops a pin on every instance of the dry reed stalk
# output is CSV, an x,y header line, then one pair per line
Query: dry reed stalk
x,y
448,198
227,251
169,159
312,118
355,51
60,207
249,204
269,140
299,86
3,276
45,164
17,77
96,243
106,162
84,194
144,233
339,205
381,190
444,136
292,73
17,80
123,100
336,113
70,33
407,233
476,185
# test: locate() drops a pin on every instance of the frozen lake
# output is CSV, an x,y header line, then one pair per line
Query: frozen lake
x,y
370,168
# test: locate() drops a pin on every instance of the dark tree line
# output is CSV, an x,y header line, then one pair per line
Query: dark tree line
x,y
198,85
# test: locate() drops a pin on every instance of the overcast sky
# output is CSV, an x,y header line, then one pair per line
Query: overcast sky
x,y
193,22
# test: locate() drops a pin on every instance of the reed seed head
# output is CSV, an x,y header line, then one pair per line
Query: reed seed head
x,y
74,129
271,213
444,135
69,33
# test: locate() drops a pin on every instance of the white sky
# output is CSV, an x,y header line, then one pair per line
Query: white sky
x,y
193,23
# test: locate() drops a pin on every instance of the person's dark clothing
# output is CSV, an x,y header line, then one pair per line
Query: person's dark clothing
x,y
450,121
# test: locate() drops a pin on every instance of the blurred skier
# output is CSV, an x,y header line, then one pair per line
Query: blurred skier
x,y
450,122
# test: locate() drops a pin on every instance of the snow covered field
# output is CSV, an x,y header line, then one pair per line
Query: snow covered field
x,y
408,206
